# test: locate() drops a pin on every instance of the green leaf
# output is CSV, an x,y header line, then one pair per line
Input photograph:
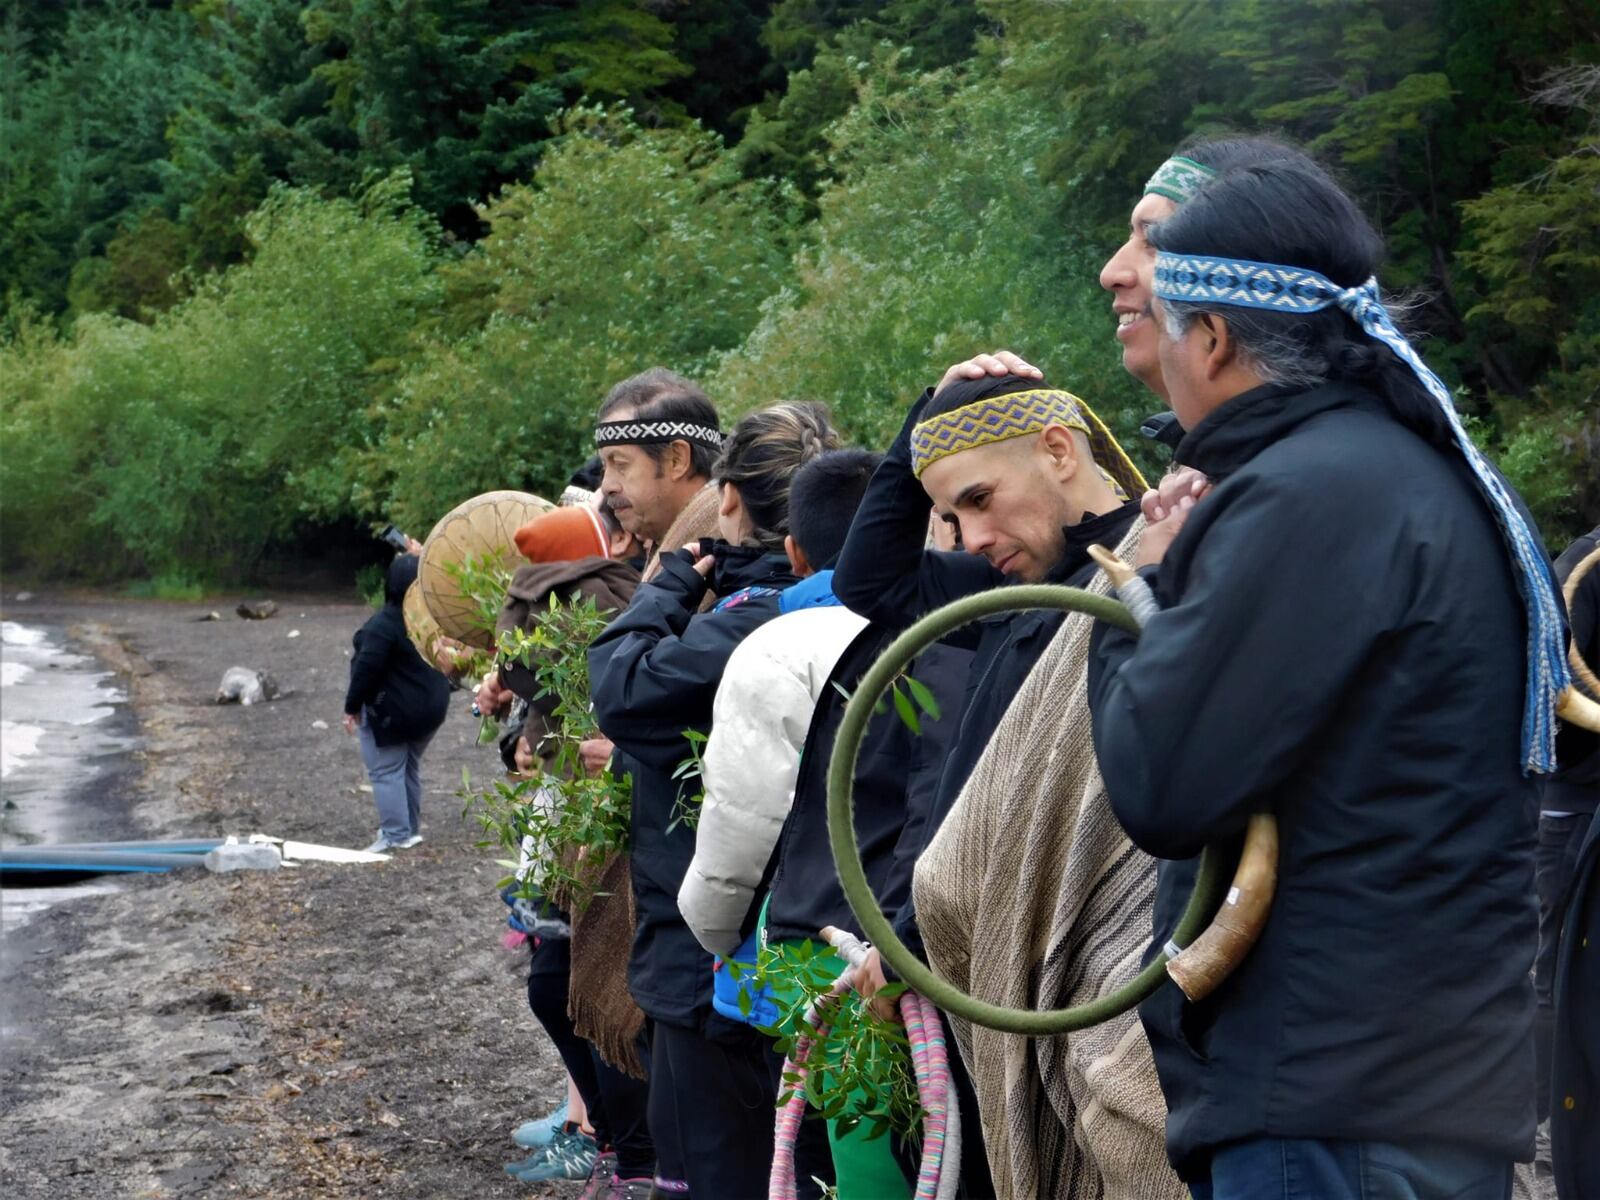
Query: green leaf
x,y
908,714
924,698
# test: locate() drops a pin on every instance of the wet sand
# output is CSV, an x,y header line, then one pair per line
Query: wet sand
x,y
322,1030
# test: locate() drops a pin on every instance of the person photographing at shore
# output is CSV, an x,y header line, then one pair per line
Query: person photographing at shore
x,y
395,703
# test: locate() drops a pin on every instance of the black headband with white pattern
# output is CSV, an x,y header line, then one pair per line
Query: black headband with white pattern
x,y
654,433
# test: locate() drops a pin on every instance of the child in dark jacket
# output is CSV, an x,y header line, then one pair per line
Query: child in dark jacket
x,y
395,704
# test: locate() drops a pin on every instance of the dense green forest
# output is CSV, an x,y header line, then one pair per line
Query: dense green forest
x,y
275,268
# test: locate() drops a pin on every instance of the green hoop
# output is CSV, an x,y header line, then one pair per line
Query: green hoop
x,y
901,653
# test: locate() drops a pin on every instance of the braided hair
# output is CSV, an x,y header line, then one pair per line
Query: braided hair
x,y
760,457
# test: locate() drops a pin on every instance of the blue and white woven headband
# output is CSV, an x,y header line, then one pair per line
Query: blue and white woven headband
x,y
1240,283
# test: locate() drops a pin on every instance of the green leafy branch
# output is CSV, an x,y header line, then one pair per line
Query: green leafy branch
x,y
573,821
686,808
857,1072
912,704
482,580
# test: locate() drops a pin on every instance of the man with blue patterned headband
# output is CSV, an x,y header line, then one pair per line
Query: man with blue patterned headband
x,y
1357,633
1127,273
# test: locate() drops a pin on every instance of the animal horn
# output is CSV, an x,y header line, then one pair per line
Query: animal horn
x,y
1199,967
1203,964
1577,709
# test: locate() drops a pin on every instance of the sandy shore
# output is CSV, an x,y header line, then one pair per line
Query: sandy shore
x,y
347,1031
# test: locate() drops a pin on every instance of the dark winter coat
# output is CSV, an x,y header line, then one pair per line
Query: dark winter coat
x,y
405,697
1576,787
1341,643
885,575
896,778
1575,1056
654,674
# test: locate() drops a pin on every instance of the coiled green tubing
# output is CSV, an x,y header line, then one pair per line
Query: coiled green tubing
x,y
847,853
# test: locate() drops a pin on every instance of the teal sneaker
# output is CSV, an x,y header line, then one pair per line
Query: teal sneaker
x,y
568,1156
536,1135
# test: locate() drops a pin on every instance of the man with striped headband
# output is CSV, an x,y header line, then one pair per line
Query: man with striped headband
x,y
657,438
1358,633
1030,478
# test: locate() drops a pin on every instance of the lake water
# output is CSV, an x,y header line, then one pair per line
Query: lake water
x,y
64,725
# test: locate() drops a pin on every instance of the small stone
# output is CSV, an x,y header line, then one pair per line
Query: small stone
x,y
294,633
256,610
23,597
319,724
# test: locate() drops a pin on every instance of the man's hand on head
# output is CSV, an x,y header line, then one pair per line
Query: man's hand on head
x,y
1001,362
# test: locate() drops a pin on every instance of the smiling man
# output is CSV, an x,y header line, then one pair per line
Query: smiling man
x,y
1380,1028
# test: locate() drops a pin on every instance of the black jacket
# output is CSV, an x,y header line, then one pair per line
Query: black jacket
x,y
1576,787
1341,643
654,674
405,698
896,776
885,575
1575,1058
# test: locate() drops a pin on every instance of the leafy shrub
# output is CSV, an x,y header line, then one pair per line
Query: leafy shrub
x,y
938,240
198,440
630,249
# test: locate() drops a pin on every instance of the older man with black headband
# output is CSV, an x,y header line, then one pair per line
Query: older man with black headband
x,y
1359,634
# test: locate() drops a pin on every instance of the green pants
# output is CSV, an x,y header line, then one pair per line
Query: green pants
x,y
866,1170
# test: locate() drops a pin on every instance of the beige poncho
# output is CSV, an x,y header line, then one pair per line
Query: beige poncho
x,y
1030,895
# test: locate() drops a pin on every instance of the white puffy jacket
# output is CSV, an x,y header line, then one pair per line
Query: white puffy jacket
x,y
758,727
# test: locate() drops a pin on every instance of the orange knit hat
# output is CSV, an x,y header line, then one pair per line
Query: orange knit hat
x,y
563,534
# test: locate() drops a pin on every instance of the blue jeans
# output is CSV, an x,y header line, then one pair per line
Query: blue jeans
x,y
396,774
1312,1169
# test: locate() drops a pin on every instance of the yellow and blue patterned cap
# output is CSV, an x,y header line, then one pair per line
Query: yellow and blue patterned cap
x,y
1018,414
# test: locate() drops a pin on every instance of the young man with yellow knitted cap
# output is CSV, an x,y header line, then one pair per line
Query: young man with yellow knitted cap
x,y
1030,478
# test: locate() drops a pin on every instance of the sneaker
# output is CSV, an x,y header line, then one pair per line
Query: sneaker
x,y
670,1187
414,840
598,1185
568,1156
630,1189
515,1169
536,1135
383,845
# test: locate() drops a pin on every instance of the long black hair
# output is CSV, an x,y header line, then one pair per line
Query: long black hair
x,y
1294,215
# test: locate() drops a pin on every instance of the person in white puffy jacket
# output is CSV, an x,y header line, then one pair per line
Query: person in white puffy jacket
x,y
763,709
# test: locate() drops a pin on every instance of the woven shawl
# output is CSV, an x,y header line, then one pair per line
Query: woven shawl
x,y
598,1001
1030,895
